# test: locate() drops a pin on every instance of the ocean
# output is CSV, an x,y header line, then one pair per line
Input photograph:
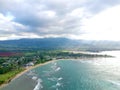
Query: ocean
x,y
83,74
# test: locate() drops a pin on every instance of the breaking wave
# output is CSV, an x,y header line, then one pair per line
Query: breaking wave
x,y
57,69
114,82
39,85
34,77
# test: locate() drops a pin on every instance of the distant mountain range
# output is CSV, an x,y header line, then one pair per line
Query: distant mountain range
x,y
58,44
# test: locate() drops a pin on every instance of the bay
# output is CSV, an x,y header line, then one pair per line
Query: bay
x,y
83,74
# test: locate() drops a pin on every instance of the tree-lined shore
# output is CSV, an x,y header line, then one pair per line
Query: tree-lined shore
x,y
13,64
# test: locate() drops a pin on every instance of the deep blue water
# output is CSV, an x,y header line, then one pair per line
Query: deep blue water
x,y
84,74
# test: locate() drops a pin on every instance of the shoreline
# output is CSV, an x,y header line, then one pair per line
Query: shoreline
x,y
28,69
24,71
35,66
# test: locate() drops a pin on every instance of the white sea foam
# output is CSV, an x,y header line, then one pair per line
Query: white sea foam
x,y
55,63
34,78
60,78
39,85
57,69
54,67
55,79
39,80
58,84
52,79
31,73
114,82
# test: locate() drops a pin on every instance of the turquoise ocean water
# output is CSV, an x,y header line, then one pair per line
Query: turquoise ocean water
x,y
83,74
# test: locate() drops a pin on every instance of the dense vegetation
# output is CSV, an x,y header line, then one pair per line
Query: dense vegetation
x,y
12,64
16,55
6,77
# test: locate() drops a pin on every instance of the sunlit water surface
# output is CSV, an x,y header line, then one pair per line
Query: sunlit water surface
x,y
84,74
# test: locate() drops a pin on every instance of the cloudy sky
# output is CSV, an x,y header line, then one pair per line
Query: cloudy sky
x,y
75,19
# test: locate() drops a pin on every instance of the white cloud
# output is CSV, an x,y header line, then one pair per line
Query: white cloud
x,y
103,26
78,19
47,14
8,28
78,12
5,24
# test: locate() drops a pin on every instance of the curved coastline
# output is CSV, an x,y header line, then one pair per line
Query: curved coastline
x,y
24,71
32,67
35,66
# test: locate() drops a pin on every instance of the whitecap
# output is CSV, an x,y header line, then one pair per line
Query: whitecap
x,y
60,78
55,63
57,69
39,85
39,80
34,78
52,79
114,82
54,67
58,84
31,73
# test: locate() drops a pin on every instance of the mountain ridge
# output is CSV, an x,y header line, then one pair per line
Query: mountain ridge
x,y
59,43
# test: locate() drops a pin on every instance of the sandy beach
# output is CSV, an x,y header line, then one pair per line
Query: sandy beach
x,y
29,68
26,70
32,67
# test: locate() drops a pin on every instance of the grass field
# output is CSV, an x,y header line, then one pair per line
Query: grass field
x,y
5,78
